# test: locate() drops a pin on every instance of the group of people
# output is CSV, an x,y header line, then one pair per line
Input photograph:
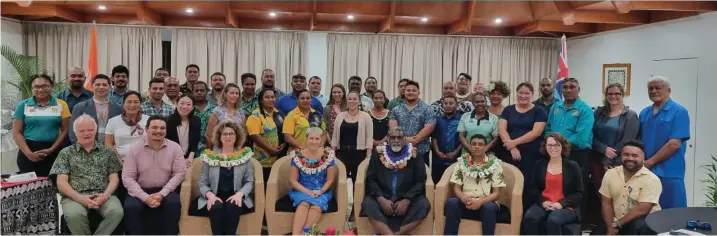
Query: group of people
x,y
124,154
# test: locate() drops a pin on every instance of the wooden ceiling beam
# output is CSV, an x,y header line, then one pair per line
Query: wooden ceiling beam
x,y
387,24
147,15
37,9
622,7
675,6
567,14
464,24
231,18
610,17
552,26
312,20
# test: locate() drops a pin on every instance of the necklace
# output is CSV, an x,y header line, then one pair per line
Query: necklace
x,y
227,160
312,166
395,160
471,169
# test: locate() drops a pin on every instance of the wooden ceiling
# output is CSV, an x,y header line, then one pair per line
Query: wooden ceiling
x,y
519,18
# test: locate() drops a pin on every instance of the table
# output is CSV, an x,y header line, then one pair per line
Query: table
x,y
676,218
29,208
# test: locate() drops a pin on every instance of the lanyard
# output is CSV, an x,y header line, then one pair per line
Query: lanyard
x,y
100,116
182,135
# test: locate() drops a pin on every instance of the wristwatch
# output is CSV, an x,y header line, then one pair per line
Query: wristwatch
x,y
616,223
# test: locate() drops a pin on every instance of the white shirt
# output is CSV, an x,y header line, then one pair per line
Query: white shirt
x,y
123,133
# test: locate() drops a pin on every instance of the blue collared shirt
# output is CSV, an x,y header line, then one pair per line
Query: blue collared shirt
x,y
575,123
71,99
412,121
288,102
446,133
323,99
116,97
670,122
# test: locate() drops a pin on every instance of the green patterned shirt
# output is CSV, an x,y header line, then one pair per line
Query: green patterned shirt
x,y
248,106
204,117
88,172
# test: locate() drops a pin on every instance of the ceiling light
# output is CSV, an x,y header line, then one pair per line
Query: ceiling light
x,y
189,10
272,14
424,19
498,20
350,17
101,7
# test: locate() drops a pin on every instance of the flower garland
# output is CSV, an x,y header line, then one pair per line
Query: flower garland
x,y
227,160
311,166
399,161
472,170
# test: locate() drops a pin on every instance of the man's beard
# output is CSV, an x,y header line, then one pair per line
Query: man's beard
x,y
76,85
396,148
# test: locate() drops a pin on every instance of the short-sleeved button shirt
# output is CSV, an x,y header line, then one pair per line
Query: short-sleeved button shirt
x,y
472,125
41,124
71,99
117,98
437,107
479,187
296,124
248,105
266,127
204,117
88,172
446,133
413,120
289,102
149,109
670,122
574,123
644,186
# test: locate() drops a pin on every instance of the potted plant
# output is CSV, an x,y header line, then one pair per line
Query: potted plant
x,y
711,183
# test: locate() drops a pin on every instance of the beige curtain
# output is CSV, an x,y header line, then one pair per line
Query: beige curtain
x,y
234,52
61,46
432,60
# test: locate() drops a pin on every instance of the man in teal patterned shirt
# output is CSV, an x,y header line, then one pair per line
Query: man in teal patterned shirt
x,y
87,176
202,108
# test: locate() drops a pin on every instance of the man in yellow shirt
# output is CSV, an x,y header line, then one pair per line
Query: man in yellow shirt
x,y
629,193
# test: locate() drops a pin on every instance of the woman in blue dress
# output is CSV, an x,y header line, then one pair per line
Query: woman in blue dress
x,y
312,174
521,127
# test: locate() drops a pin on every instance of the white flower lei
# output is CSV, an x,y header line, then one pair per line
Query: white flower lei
x,y
482,172
381,150
330,154
224,163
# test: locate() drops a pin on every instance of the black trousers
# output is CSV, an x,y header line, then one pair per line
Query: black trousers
x,y
581,157
140,219
224,218
42,167
351,159
634,227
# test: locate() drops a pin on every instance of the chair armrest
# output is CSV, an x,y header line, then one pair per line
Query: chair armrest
x,y
516,201
271,192
360,187
186,194
441,196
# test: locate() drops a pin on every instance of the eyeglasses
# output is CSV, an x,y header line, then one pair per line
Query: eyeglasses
x,y
553,145
693,225
228,134
77,76
614,94
395,137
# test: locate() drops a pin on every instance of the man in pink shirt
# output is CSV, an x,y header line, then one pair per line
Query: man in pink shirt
x,y
152,170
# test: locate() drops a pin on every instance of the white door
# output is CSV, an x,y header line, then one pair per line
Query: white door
x,y
682,74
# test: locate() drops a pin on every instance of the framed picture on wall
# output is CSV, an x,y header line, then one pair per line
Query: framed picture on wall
x,y
616,73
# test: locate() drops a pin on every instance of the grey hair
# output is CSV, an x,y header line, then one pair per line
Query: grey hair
x,y
396,128
83,117
312,130
662,79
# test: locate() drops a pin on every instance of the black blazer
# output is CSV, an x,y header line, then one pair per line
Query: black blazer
x,y
572,183
411,183
195,128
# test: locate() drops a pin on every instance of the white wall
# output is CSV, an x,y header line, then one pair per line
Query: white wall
x,y
317,49
12,35
694,37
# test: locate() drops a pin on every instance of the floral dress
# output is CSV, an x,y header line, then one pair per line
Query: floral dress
x,y
312,175
223,114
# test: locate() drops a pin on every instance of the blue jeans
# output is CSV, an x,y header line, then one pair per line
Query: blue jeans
x,y
538,221
455,209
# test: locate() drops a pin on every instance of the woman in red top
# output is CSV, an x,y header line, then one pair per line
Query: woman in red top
x,y
558,187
